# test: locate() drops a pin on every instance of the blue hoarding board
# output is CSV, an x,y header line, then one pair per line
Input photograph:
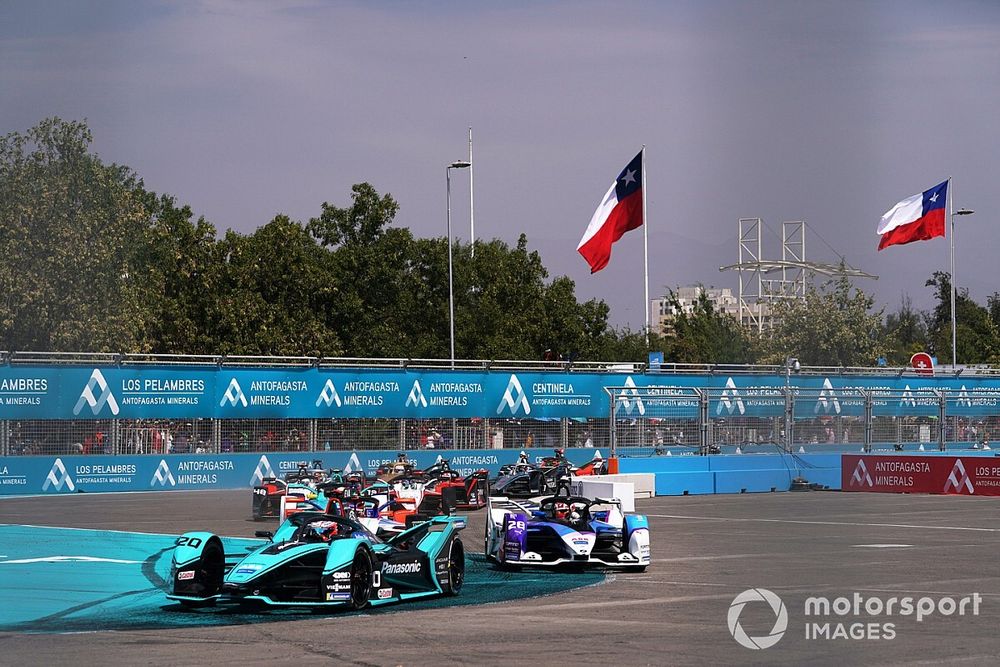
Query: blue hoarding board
x,y
78,392
21,475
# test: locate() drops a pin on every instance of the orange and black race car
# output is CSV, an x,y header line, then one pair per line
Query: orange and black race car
x,y
466,493
595,466
386,511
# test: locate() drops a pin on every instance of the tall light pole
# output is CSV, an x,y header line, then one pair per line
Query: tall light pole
x,y
472,205
954,328
459,164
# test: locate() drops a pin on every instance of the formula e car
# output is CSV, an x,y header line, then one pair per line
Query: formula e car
x,y
466,493
320,560
377,507
565,529
530,482
307,482
402,466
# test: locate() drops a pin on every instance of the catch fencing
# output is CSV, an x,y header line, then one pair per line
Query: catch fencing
x,y
655,420
100,404
48,437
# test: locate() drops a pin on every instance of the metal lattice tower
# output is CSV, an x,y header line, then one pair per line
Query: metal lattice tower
x,y
757,292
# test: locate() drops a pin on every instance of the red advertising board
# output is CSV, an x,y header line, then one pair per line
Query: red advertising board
x,y
961,475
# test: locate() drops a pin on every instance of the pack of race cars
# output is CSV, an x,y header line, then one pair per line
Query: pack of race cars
x,y
353,540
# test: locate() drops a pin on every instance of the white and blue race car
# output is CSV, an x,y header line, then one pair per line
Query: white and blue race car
x,y
565,529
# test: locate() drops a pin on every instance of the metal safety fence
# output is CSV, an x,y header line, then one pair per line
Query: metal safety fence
x,y
214,436
658,420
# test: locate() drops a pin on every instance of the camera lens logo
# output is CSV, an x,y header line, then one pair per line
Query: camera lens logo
x,y
780,618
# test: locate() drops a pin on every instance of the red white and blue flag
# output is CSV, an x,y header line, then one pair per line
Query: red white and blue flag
x,y
916,218
620,211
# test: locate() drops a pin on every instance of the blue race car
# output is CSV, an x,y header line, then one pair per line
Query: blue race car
x,y
316,559
565,529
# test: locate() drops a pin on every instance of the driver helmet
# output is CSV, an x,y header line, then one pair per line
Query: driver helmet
x,y
324,530
522,457
574,514
560,452
560,510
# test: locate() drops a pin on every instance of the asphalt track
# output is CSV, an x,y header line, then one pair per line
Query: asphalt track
x,y
706,550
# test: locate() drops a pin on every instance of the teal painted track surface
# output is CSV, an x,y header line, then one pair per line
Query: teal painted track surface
x,y
79,580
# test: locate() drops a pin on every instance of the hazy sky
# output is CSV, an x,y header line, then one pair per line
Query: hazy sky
x,y
828,112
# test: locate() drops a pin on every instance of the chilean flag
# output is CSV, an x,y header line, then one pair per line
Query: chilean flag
x,y
916,218
620,211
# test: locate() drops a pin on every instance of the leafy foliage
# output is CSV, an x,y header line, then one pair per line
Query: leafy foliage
x,y
906,333
72,230
832,326
94,262
977,339
706,336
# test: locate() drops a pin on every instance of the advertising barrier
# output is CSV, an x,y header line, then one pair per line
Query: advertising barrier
x,y
23,475
143,392
960,475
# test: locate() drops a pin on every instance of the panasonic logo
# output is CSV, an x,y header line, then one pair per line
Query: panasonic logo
x,y
401,568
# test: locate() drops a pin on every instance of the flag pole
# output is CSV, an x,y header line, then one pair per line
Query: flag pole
x,y
645,246
951,235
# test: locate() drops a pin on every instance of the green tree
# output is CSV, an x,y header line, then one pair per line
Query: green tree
x,y
371,272
501,309
72,231
706,336
906,333
276,296
977,340
993,305
832,326
184,265
94,262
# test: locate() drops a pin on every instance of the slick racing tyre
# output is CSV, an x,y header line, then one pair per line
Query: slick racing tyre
x,y
361,580
266,510
208,574
456,568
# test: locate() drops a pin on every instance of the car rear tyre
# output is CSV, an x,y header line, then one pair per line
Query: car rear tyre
x,y
361,580
456,567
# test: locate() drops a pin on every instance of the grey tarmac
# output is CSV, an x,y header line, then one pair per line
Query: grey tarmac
x,y
706,550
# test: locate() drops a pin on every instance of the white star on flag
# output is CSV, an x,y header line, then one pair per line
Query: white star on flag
x,y
629,177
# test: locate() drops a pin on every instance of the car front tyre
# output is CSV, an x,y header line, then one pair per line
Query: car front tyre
x,y
361,580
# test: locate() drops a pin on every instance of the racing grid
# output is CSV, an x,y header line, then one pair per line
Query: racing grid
x,y
706,550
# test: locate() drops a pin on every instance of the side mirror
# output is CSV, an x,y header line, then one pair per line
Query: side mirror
x,y
264,533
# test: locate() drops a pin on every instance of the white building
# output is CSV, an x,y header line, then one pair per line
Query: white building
x,y
664,310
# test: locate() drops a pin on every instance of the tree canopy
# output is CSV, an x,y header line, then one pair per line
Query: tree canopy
x,y
94,262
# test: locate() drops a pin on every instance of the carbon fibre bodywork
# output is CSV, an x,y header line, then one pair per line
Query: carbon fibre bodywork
x,y
316,559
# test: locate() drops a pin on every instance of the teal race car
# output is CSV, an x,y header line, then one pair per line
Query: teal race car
x,y
316,559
